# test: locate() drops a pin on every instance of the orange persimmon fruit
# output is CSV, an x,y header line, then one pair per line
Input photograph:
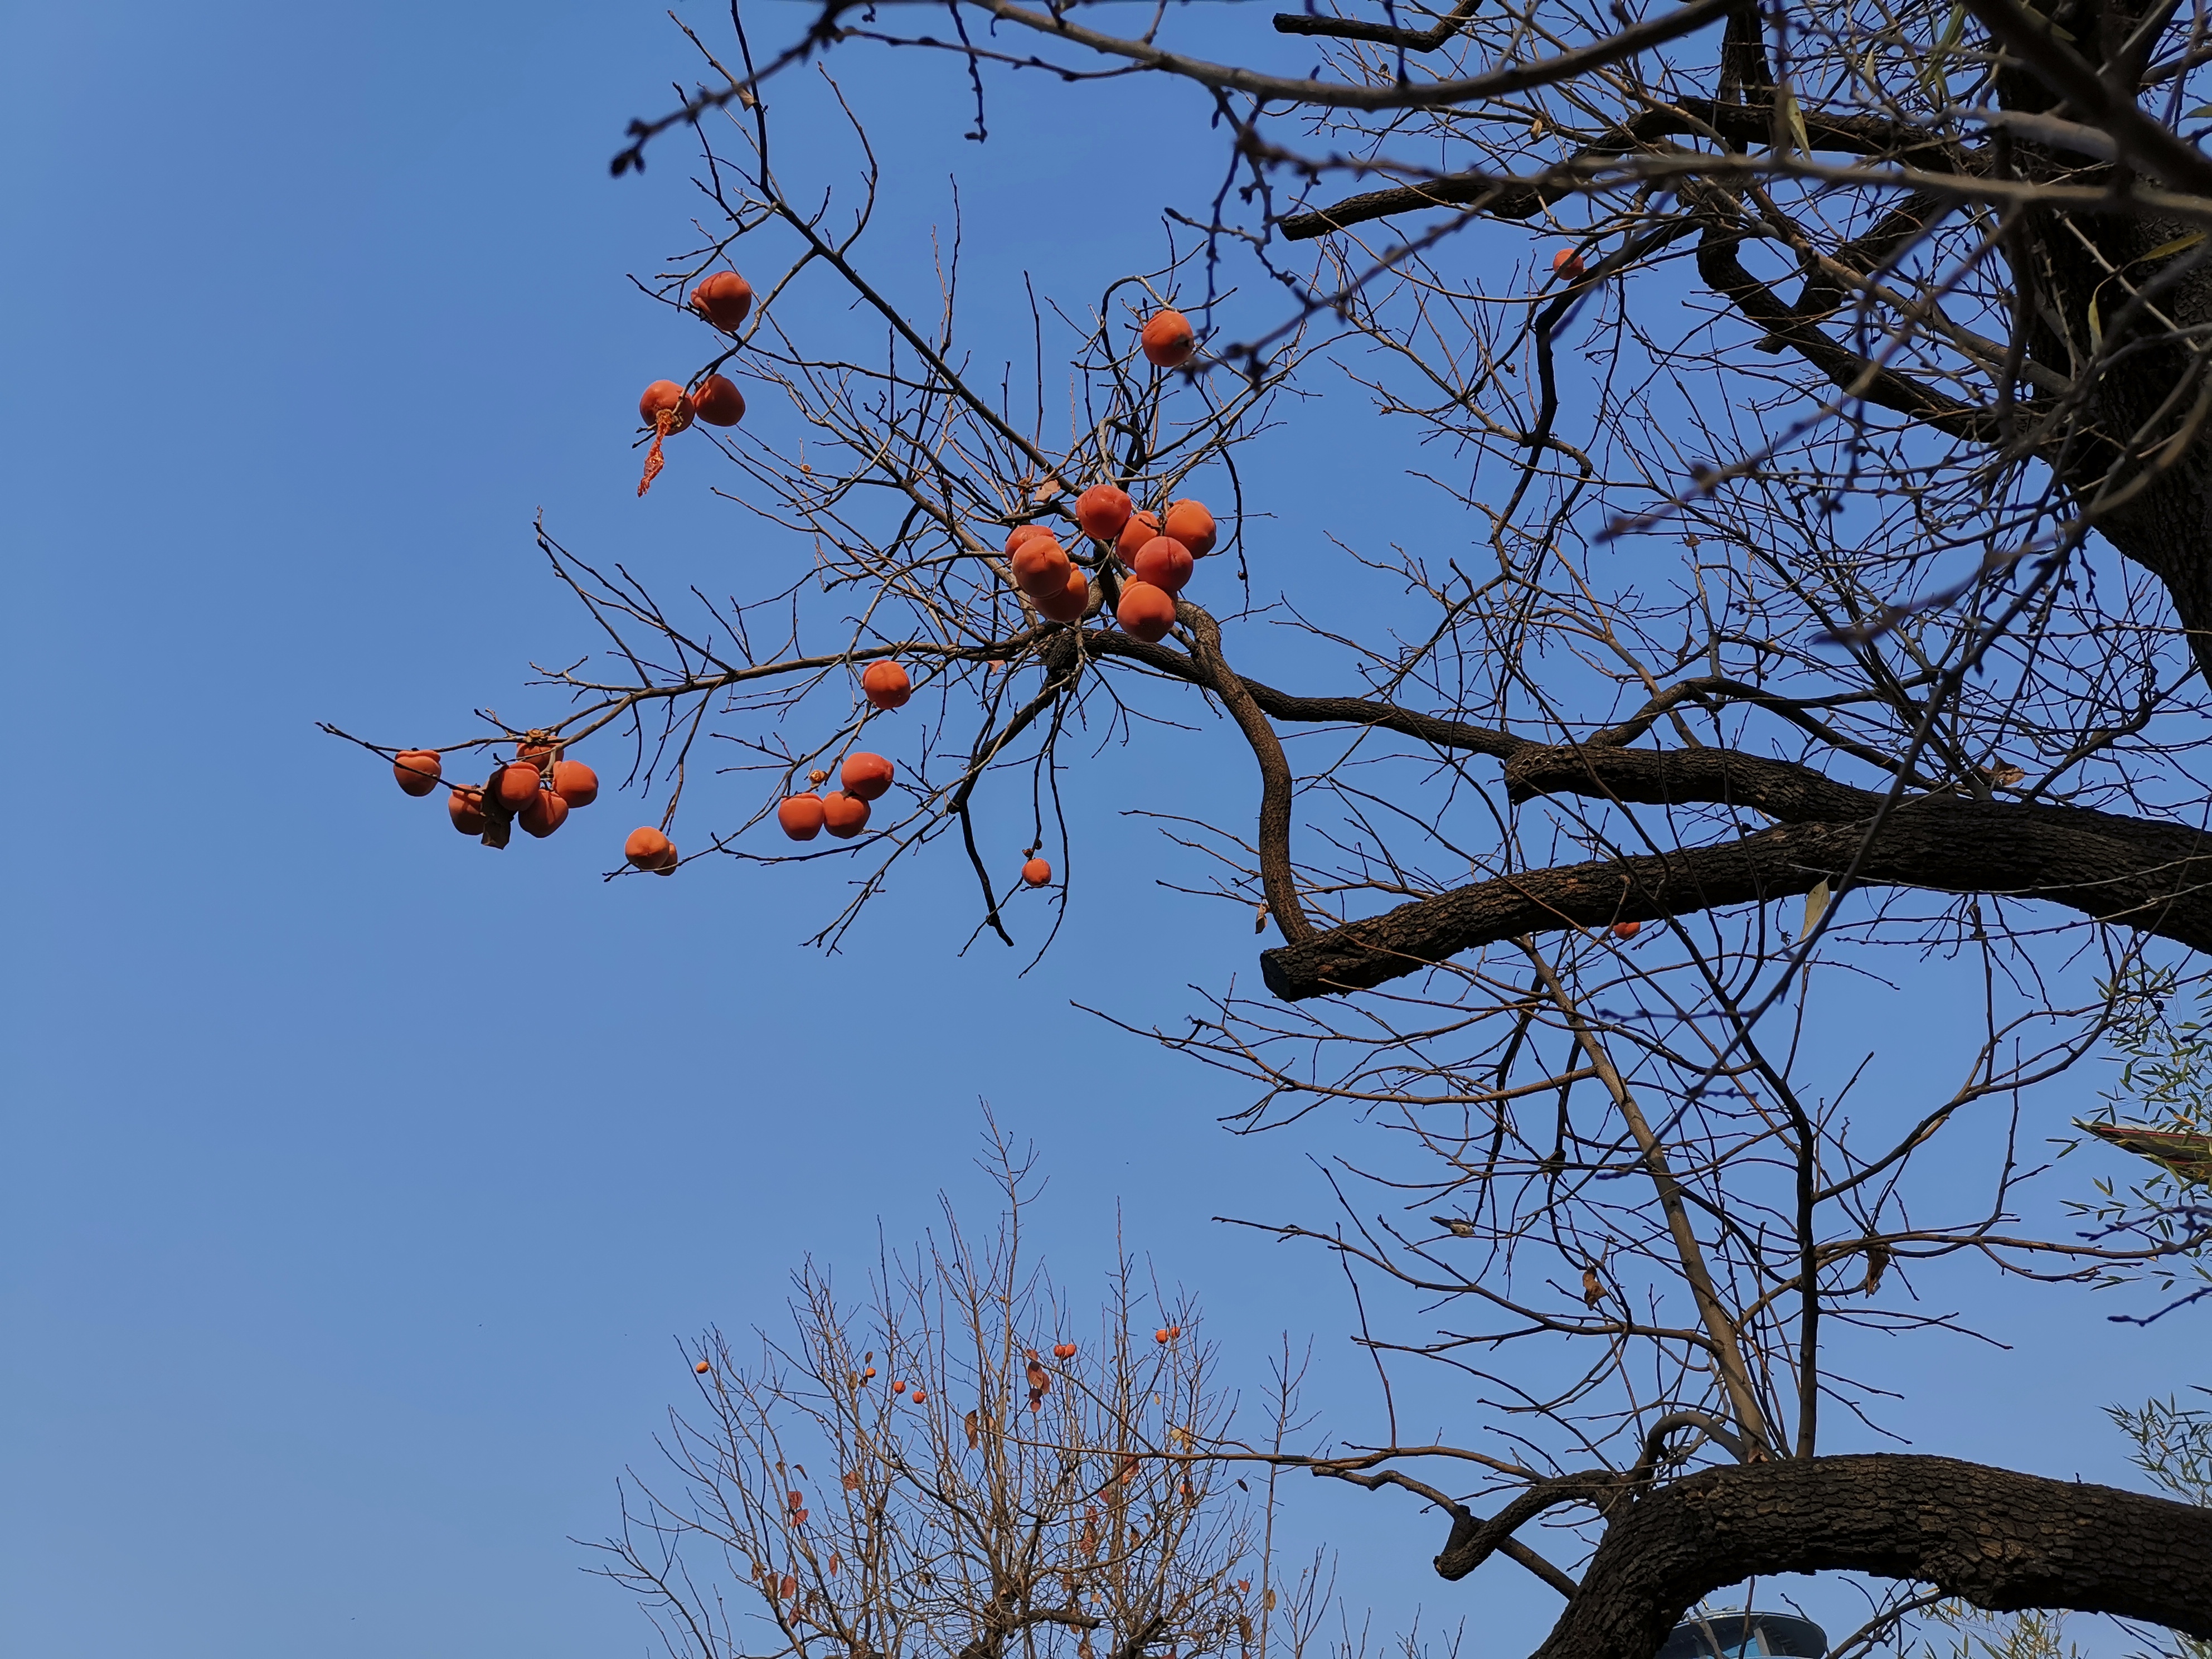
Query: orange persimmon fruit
x,y
1102,510
1038,872
724,299
1567,266
1145,611
1164,562
545,812
664,407
417,770
1627,929
576,782
703,1368
466,808
1189,523
648,849
1041,566
1071,602
844,816
718,402
867,776
800,816
886,685
1140,529
517,783
1022,532
1168,340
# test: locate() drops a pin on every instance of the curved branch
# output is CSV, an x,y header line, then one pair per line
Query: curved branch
x,y
2000,1540
2137,874
1383,34
1277,875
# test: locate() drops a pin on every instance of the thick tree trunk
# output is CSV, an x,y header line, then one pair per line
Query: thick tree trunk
x,y
2001,1540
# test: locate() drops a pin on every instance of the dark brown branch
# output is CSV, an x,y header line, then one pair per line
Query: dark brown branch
x,y
1999,1540
1473,1541
1679,777
2128,871
1740,124
1277,875
1885,388
1383,34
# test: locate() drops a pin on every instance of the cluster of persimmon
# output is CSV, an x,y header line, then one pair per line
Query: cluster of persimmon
x,y
725,299
863,777
537,789
1166,1334
1157,550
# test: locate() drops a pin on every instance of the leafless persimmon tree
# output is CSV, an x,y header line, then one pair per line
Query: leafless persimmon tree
x,y
1810,584
967,1464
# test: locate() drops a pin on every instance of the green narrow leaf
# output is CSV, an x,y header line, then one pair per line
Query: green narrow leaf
x,y
2196,114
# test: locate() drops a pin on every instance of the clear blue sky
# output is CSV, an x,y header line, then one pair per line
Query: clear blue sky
x,y
358,1183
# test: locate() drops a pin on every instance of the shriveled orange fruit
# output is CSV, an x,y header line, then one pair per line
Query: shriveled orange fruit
x,y
1145,611
1164,562
886,685
866,776
665,398
417,770
1038,872
1102,510
800,816
1627,929
648,849
466,808
1189,523
1140,529
724,299
844,816
1168,340
718,402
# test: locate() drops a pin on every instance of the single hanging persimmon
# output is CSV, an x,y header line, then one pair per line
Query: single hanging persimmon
x,y
1146,611
1189,523
1041,566
466,808
1022,532
844,816
724,299
1160,1336
1567,266
867,776
800,816
648,849
545,813
1071,602
1627,929
718,402
1140,529
665,408
576,782
1102,510
1168,340
919,1395
886,685
703,1368
417,770
1038,872
516,786
898,1389
1164,562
